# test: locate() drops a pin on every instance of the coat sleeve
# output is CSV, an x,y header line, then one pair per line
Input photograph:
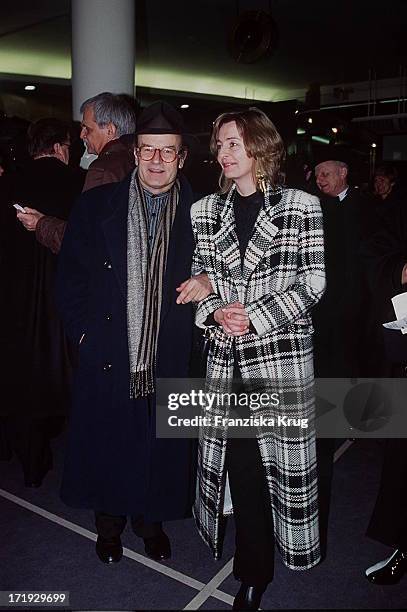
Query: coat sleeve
x,y
50,232
281,308
72,282
206,307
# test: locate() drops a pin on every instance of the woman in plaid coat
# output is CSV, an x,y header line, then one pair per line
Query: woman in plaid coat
x,y
261,245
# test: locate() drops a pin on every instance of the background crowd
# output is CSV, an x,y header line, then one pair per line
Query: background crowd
x,y
365,250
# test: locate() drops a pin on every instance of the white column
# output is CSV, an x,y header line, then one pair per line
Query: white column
x,y
103,48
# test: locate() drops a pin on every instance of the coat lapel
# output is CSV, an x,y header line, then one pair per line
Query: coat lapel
x,y
263,233
114,228
225,238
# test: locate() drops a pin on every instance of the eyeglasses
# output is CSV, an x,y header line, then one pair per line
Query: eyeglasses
x,y
167,154
66,144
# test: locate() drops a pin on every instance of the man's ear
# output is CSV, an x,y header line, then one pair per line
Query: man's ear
x,y
111,130
135,156
58,152
182,158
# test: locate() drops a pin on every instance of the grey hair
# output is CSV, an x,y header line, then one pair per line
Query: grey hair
x,y
338,163
341,164
113,108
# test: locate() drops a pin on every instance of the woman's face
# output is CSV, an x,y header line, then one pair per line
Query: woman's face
x,y
232,156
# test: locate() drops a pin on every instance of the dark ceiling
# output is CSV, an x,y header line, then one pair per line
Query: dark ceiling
x,y
329,42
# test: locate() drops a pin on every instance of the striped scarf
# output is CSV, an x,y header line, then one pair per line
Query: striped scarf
x,y
145,274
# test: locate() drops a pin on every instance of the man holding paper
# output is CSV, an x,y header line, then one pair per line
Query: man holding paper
x,y
387,258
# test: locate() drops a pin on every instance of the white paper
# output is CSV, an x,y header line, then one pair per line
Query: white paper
x,y
400,308
399,324
400,305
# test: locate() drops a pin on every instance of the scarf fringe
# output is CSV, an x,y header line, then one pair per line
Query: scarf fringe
x,y
142,382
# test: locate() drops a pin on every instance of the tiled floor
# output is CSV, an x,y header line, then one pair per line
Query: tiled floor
x,y
47,546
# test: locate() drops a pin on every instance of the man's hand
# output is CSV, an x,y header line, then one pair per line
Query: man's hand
x,y
233,319
194,289
30,218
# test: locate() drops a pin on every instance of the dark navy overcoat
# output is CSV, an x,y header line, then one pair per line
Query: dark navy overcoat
x,y
114,462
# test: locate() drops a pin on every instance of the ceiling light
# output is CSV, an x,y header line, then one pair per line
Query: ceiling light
x,y
335,130
373,145
184,106
320,139
309,119
296,112
300,131
29,87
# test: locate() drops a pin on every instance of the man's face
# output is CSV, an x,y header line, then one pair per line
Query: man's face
x,y
382,185
156,175
93,136
331,178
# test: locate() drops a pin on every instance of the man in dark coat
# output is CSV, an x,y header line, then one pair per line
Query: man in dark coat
x,y
342,339
127,248
108,126
38,365
386,257
342,342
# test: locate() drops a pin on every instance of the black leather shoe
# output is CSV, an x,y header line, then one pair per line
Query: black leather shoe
x,y
389,571
248,597
158,547
109,551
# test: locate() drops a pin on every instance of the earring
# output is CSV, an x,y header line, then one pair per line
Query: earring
x,y
261,181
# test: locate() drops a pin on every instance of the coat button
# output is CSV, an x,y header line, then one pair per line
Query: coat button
x,y
107,265
107,367
108,317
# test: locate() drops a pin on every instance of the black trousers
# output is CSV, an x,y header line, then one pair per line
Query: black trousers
x,y
388,523
109,526
254,556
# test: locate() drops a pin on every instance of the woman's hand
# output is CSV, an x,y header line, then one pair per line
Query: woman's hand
x,y
233,319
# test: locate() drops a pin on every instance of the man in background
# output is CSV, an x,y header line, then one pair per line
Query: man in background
x,y
344,331
342,343
108,126
38,365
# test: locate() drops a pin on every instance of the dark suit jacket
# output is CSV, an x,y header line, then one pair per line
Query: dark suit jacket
x,y
386,254
114,463
115,162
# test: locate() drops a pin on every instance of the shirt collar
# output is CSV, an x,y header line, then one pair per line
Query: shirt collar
x,y
343,193
155,196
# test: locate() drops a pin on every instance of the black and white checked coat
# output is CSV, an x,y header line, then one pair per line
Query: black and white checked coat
x,y
281,279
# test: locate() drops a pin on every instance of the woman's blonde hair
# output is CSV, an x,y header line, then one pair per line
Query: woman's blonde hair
x,y
261,141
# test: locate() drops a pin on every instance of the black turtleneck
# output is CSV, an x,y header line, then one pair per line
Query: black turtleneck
x,y
246,209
